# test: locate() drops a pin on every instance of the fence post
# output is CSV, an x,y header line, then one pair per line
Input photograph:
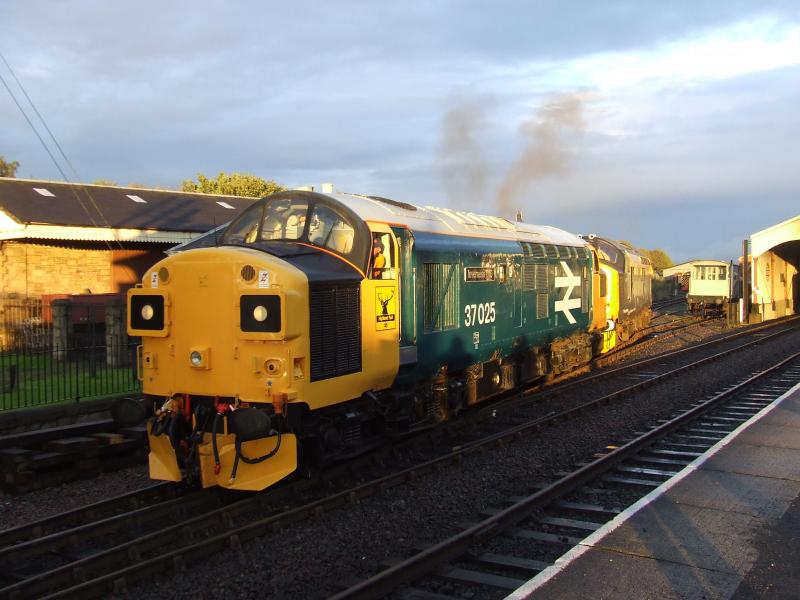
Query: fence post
x,y
116,333
61,310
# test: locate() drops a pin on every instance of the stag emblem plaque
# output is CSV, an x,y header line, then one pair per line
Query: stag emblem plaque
x,y
385,308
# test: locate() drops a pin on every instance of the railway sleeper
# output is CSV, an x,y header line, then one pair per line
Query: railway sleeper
x,y
472,577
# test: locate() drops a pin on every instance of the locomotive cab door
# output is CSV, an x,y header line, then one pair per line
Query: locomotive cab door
x,y
407,287
381,300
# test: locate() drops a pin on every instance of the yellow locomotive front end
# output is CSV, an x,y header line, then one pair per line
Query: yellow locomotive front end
x,y
252,344
222,326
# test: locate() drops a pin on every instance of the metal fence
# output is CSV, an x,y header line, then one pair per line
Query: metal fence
x,y
64,351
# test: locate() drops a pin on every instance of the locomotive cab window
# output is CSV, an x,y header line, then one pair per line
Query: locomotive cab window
x,y
382,262
284,220
244,230
305,218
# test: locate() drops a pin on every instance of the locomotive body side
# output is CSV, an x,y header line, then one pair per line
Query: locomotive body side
x,y
492,313
324,323
629,290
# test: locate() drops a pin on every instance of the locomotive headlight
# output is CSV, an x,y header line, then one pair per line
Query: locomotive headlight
x,y
196,358
260,313
147,312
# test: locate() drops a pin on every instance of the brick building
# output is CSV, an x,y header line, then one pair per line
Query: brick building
x,y
60,238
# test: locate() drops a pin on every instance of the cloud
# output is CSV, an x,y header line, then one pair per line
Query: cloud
x,y
693,103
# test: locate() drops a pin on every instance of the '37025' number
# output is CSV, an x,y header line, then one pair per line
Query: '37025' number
x,y
478,314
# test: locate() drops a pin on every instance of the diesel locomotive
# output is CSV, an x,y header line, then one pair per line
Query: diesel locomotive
x,y
319,324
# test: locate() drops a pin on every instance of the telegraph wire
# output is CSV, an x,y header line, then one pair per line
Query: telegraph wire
x,y
60,149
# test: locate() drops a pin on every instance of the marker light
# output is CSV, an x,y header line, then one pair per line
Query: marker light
x,y
260,313
196,358
147,312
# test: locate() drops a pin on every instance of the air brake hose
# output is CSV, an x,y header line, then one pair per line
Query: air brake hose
x,y
252,461
171,427
198,434
214,448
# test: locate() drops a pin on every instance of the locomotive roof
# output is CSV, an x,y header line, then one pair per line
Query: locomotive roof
x,y
449,221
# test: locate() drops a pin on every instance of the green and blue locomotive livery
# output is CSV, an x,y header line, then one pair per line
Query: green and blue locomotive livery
x,y
322,323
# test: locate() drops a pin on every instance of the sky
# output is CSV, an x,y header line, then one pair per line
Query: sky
x,y
673,125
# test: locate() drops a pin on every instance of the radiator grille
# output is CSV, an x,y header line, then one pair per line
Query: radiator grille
x,y
528,274
441,309
541,277
542,310
335,330
534,275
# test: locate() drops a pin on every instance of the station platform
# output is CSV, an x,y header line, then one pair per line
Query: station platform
x,y
728,526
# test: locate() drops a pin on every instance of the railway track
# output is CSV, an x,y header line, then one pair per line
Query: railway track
x,y
160,541
491,557
641,371
50,456
661,304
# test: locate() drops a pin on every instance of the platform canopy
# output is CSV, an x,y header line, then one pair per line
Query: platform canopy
x,y
772,237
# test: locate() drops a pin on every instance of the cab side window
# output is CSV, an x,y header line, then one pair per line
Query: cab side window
x,y
382,261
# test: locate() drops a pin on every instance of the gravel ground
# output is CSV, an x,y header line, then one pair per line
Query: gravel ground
x,y
312,559
17,510
305,561
665,341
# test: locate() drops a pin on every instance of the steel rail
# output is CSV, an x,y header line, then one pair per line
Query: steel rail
x,y
586,378
451,549
232,536
152,494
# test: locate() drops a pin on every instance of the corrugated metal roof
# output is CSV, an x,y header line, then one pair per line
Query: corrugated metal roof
x,y
33,202
94,234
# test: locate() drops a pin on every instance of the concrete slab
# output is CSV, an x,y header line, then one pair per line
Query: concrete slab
x,y
786,414
729,526
688,535
773,435
761,461
762,497
626,576
775,574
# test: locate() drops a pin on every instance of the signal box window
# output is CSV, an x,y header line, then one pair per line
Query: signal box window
x,y
382,261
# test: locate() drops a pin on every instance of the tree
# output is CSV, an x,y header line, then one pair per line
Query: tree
x,y
660,260
234,184
8,169
104,182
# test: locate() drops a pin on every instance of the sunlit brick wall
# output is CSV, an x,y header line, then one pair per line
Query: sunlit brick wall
x,y
30,270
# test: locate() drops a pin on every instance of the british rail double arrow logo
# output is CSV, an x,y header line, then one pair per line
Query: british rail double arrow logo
x,y
570,282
